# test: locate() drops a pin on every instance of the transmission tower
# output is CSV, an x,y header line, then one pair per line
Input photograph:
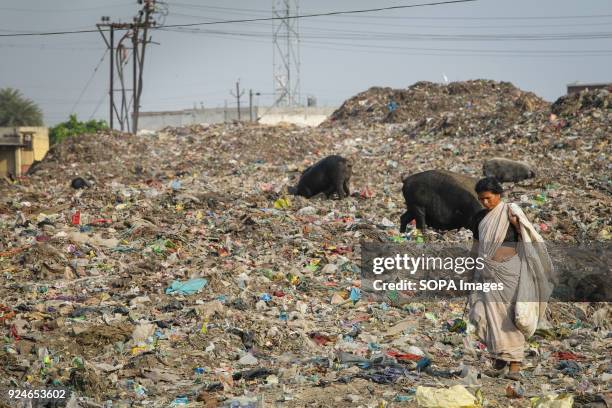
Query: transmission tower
x,y
286,56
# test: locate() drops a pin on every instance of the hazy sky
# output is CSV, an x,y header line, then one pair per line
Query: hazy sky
x,y
539,45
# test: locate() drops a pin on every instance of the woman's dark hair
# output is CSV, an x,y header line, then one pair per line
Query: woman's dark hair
x,y
489,184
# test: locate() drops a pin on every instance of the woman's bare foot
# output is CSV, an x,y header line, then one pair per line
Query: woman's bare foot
x,y
514,372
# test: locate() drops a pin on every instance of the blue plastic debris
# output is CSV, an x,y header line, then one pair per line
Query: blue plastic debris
x,y
423,363
374,346
188,287
355,295
180,400
265,297
404,398
140,390
176,185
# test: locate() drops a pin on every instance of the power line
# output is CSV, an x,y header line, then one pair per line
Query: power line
x,y
14,31
233,9
497,18
241,10
361,23
353,12
46,47
40,10
431,51
98,106
330,13
459,50
89,81
398,36
133,32
398,51
48,33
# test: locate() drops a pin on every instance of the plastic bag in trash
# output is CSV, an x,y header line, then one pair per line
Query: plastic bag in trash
x,y
453,397
188,287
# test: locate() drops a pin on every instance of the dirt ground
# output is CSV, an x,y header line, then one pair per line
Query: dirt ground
x,y
84,304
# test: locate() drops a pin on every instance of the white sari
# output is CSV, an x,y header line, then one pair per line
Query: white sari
x,y
503,318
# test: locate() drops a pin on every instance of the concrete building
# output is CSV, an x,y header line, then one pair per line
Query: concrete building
x,y
302,116
578,87
20,147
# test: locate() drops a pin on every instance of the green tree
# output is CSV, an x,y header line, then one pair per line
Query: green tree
x,y
73,127
17,110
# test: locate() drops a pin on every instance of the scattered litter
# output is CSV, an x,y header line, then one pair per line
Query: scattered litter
x,y
188,287
454,397
553,401
97,292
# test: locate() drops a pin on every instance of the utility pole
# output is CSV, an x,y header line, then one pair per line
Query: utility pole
x,y
149,7
112,77
134,73
133,31
110,43
111,46
237,95
251,103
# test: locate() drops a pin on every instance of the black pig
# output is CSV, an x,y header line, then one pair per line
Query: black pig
x,y
439,199
330,175
507,170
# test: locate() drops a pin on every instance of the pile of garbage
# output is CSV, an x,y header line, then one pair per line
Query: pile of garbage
x,y
470,108
593,102
184,274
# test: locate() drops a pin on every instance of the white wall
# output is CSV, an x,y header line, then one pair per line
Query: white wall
x,y
304,116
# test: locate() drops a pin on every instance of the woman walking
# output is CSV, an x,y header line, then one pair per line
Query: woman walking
x,y
514,255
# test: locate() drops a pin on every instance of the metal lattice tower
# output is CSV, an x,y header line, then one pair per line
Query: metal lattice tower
x,y
286,56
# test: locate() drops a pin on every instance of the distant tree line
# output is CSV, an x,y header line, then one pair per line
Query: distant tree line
x,y
17,110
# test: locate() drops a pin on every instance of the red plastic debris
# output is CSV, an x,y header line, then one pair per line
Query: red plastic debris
x,y
566,355
320,339
13,332
403,356
102,221
366,192
6,313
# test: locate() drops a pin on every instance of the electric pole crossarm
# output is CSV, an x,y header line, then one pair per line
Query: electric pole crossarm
x,y
103,36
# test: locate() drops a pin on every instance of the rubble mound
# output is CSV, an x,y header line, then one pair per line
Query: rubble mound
x,y
585,102
489,104
95,147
